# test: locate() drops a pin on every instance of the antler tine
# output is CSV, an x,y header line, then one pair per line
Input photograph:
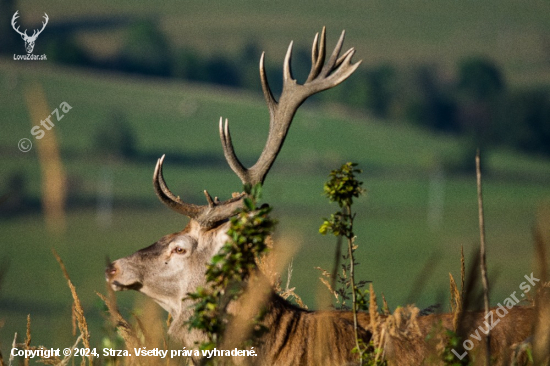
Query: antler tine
x,y
287,73
168,198
207,215
293,95
317,55
268,95
229,151
329,67
342,58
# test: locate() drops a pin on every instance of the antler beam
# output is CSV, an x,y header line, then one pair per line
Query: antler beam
x,y
321,77
293,95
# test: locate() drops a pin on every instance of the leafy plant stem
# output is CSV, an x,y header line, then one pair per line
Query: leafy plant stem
x,y
347,212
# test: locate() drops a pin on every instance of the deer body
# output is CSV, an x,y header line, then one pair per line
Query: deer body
x,y
421,347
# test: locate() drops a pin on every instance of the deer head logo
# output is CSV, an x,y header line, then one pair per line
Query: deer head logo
x,y
29,41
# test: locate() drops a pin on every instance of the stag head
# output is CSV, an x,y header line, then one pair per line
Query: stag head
x,y
174,266
29,41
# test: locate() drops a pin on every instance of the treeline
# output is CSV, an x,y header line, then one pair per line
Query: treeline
x,y
476,102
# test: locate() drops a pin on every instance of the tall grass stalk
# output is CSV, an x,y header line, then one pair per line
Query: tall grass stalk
x,y
483,262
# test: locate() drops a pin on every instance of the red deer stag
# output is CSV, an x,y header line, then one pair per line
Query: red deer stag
x,y
175,265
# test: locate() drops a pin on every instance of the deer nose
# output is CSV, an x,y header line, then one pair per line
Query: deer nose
x,y
111,271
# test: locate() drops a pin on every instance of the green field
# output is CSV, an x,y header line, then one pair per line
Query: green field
x,y
514,34
395,238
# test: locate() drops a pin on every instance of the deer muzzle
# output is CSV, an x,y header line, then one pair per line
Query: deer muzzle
x,y
121,279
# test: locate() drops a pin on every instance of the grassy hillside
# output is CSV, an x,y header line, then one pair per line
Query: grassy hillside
x,y
514,34
180,119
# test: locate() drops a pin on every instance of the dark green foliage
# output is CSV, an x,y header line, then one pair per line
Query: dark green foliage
x,y
480,79
431,104
526,121
342,186
14,194
380,89
115,137
454,343
66,50
146,50
217,69
222,70
9,41
189,65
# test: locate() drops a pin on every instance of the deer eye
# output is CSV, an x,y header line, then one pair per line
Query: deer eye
x,y
179,250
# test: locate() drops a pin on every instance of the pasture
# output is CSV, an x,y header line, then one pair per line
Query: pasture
x,y
395,238
401,32
406,254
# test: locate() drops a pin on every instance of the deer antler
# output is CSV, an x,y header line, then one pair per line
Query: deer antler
x,y
281,114
293,95
207,215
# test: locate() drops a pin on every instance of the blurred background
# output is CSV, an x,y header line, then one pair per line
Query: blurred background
x,y
134,81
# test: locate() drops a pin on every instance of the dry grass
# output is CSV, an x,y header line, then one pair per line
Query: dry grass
x,y
77,315
541,333
273,264
77,311
388,329
457,297
149,327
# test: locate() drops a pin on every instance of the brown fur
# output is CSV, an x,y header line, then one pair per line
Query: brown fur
x,y
416,349
299,337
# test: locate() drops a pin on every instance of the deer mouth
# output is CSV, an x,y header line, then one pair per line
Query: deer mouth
x,y
118,286
119,280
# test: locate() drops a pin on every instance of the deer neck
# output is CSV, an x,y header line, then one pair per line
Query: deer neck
x,y
179,329
258,296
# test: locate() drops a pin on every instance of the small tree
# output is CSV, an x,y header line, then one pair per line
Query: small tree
x,y
341,188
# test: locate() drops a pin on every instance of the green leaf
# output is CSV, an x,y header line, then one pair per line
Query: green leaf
x,y
249,204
